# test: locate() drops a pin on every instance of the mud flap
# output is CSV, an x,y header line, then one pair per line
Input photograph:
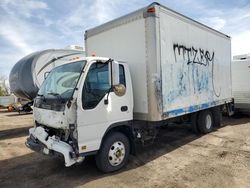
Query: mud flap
x,y
230,109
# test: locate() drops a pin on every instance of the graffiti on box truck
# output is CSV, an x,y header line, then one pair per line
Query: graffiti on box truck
x,y
199,56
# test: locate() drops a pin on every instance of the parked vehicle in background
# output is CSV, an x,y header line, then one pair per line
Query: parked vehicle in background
x,y
240,83
29,73
158,66
6,101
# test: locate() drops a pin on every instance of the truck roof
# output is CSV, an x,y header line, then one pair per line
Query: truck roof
x,y
141,13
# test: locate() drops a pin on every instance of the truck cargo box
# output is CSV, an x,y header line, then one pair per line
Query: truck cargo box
x,y
240,84
178,65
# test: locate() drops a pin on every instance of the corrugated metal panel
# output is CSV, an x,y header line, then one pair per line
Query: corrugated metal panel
x,y
241,97
241,83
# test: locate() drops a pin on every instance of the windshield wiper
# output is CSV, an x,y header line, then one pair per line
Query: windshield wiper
x,y
52,93
57,95
42,96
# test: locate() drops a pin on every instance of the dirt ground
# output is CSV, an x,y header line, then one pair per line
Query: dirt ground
x,y
179,158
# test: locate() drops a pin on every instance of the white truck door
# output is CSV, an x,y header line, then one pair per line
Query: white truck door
x,y
94,115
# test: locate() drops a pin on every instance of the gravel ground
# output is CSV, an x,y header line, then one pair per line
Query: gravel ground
x,y
178,158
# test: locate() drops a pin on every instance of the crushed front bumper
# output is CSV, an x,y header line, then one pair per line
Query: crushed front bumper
x,y
33,144
40,141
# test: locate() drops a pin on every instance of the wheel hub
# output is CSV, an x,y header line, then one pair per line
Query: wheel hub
x,y
116,153
208,121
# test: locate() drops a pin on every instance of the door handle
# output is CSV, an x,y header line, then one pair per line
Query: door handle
x,y
124,108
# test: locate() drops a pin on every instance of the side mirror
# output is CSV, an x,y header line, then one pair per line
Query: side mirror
x,y
114,78
119,90
45,75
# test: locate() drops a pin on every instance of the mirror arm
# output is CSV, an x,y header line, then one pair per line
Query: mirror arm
x,y
106,101
111,69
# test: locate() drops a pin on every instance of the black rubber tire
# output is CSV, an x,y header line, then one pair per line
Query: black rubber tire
x,y
194,125
202,121
102,161
217,116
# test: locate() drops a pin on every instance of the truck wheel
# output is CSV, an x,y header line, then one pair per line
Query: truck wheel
x,y
114,152
205,121
217,115
193,119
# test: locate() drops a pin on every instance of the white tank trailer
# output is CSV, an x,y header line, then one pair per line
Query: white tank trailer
x,y
28,74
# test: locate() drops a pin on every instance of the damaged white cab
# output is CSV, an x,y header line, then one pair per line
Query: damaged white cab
x,y
76,105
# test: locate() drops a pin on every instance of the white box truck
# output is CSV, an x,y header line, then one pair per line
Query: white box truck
x,y
158,66
240,83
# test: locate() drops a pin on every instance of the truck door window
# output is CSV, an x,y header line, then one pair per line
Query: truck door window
x,y
96,85
122,75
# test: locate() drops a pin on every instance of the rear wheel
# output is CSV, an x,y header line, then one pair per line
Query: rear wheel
x,y
217,115
205,121
194,125
114,152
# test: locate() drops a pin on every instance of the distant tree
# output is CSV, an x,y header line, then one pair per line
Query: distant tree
x,y
3,88
3,91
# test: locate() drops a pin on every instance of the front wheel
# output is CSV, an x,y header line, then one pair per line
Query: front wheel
x,y
114,152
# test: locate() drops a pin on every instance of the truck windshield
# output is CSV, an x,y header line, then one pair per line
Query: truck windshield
x,y
61,81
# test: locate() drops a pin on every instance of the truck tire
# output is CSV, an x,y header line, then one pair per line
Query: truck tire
x,y
205,121
114,152
193,119
217,115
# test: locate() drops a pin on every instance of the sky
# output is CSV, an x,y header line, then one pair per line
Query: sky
x,y
32,25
